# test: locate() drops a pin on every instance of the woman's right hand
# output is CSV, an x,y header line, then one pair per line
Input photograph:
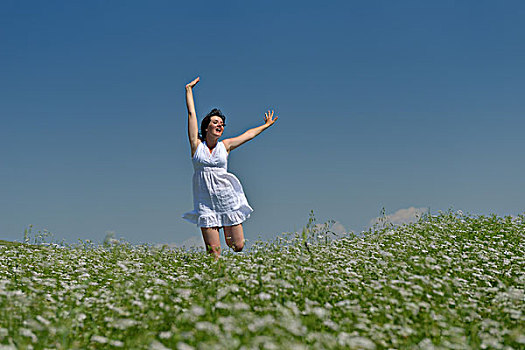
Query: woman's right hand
x,y
192,84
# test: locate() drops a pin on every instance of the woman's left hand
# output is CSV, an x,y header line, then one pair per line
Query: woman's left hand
x,y
268,118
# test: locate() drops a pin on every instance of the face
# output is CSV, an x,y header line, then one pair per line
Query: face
x,y
216,127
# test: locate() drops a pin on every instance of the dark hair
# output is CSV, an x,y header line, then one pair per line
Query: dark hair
x,y
207,119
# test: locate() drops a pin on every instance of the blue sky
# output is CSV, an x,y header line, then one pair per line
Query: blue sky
x,y
381,104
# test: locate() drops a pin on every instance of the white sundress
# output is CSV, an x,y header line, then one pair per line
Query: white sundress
x,y
218,197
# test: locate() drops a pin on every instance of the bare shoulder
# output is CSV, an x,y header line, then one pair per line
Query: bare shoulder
x,y
227,144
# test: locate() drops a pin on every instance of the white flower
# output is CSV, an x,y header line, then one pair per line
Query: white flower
x,y
43,320
28,333
294,326
197,310
116,343
426,344
520,339
319,312
184,293
124,323
3,333
331,324
260,323
361,343
241,306
221,305
165,335
99,339
122,266
264,296
8,347
160,282
207,327
157,345
184,346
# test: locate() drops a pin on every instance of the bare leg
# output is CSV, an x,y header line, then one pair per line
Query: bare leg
x,y
212,240
234,236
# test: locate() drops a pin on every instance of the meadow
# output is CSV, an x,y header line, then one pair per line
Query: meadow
x,y
449,281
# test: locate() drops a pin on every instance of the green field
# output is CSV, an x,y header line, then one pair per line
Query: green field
x,y
450,281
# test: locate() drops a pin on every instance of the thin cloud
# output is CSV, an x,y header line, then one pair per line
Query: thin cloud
x,y
338,228
402,216
193,242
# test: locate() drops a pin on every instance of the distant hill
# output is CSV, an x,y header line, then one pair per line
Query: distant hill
x,y
2,242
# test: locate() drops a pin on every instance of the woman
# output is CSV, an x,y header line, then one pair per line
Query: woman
x,y
218,197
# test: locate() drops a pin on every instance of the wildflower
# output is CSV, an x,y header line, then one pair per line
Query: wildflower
x,y
165,335
264,296
99,339
28,333
240,306
208,327
184,293
124,323
160,282
3,333
182,346
156,345
197,310
319,312
43,320
221,305
116,343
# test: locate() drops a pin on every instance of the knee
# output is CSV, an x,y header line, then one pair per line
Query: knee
x,y
215,249
237,247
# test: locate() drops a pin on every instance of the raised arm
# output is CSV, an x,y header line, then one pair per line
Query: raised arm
x,y
235,142
193,127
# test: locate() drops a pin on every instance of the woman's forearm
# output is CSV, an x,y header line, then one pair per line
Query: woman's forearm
x,y
268,121
189,101
256,131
